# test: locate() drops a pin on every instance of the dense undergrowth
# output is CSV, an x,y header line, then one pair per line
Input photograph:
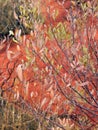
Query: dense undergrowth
x,y
48,78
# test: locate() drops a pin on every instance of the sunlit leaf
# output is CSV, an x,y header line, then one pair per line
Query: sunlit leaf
x,y
19,71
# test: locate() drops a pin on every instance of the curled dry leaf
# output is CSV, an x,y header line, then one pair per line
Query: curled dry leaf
x,y
32,94
16,95
15,15
43,102
19,71
9,54
18,34
12,55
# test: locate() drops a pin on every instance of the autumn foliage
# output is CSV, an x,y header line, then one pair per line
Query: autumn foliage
x,y
53,70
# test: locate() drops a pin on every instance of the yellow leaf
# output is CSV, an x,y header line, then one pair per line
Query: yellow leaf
x,y
14,40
